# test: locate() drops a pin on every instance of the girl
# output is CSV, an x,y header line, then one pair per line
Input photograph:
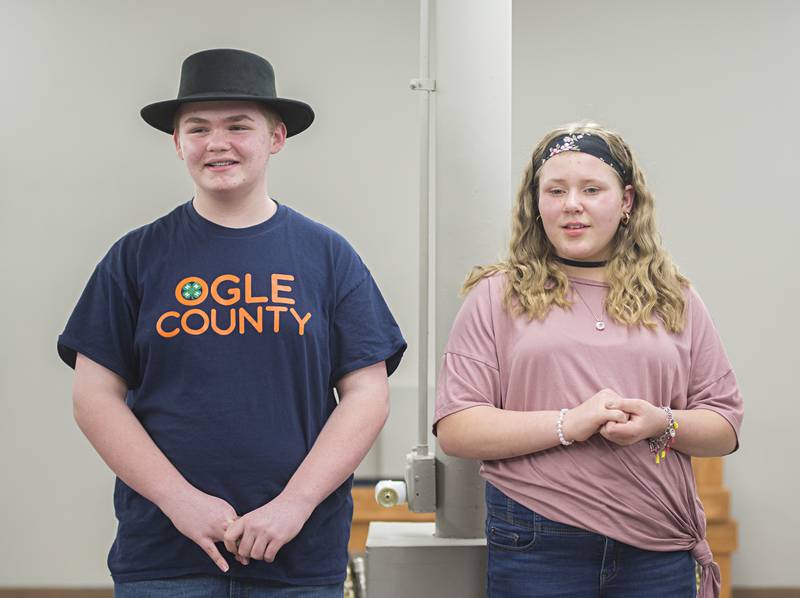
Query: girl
x,y
585,372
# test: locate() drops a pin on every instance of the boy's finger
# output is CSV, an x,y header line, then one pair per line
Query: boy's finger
x,y
272,549
242,560
232,535
211,550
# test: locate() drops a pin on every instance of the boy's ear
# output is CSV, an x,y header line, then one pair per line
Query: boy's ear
x,y
278,137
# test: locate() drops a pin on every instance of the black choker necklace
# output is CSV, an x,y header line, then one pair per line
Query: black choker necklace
x,y
578,264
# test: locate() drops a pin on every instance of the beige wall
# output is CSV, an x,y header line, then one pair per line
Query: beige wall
x,y
705,92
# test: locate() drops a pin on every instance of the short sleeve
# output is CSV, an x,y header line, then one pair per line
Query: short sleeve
x,y
364,331
469,375
712,382
102,326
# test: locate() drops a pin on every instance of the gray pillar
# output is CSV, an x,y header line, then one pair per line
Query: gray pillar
x,y
472,54
472,206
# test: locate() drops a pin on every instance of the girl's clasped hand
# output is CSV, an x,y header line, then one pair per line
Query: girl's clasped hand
x,y
620,420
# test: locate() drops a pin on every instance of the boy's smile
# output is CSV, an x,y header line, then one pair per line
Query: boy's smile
x,y
226,147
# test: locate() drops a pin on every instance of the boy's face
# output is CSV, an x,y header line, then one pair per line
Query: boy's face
x,y
227,145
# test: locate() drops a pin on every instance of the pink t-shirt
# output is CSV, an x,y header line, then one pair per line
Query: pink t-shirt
x,y
492,358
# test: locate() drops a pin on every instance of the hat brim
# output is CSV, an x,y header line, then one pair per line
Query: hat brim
x,y
296,115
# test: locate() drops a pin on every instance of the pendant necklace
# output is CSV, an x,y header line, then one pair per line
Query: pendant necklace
x,y
599,324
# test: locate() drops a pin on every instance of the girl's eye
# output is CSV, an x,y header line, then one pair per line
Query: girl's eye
x,y
592,190
556,191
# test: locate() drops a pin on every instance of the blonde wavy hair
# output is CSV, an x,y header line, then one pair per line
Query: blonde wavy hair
x,y
644,282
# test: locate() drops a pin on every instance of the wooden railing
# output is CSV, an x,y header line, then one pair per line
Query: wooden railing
x,y
722,531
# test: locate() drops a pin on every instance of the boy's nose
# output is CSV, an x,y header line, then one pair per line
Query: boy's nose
x,y
217,140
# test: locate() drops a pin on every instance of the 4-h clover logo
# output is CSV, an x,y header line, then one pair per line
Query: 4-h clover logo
x,y
192,290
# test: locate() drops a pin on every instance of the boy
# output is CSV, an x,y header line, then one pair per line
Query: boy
x,y
206,348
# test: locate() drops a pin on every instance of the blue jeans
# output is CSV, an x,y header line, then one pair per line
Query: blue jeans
x,y
218,586
530,556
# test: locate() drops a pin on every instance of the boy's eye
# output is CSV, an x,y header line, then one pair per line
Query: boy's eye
x,y
197,130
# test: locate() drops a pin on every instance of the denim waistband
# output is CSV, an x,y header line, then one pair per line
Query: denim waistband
x,y
501,506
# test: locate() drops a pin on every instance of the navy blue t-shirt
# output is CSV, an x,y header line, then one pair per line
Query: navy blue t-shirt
x,y
230,341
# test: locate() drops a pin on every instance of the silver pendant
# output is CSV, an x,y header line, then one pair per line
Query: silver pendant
x,y
600,325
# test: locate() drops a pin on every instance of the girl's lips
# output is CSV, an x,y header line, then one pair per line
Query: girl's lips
x,y
575,232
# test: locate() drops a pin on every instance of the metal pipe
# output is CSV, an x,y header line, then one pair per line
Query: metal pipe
x,y
423,85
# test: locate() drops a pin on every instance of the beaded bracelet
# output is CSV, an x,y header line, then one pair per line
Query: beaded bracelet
x,y
560,428
660,446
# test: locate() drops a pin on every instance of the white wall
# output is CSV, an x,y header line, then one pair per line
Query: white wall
x,y
707,94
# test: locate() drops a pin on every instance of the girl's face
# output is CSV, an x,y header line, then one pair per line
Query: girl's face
x,y
581,203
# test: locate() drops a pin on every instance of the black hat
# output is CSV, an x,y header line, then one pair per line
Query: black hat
x,y
226,75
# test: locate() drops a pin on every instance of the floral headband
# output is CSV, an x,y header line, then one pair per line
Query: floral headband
x,y
586,143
